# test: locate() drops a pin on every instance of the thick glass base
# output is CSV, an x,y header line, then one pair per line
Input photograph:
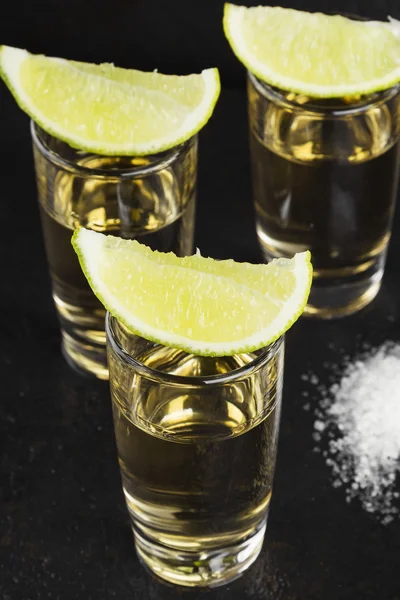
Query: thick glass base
x,y
211,567
83,337
86,359
341,291
340,300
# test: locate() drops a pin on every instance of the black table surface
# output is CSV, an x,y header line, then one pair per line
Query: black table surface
x,y
64,528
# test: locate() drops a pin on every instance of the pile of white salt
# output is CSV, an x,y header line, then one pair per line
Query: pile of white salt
x,y
359,420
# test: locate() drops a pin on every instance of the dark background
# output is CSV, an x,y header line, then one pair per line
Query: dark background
x,y
64,530
174,36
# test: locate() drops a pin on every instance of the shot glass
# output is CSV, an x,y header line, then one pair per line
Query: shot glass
x,y
325,177
148,198
197,441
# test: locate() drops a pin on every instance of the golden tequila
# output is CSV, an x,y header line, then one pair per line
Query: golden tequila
x,y
197,464
151,199
325,178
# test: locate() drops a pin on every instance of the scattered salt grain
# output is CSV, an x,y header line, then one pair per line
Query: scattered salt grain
x,y
359,418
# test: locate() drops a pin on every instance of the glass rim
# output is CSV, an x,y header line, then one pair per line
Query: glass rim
x,y
185,380
159,161
274,94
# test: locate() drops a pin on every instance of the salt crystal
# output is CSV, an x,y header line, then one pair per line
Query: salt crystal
x,y
319,425
359,417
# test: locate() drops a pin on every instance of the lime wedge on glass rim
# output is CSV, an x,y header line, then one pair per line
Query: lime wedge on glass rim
x,y
108,110
324,56
200,305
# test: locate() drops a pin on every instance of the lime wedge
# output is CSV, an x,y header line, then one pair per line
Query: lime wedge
x,y
108,110
204,306
314,54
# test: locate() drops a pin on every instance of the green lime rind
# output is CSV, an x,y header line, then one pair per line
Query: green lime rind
x,y
89,247
107,110
317,55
